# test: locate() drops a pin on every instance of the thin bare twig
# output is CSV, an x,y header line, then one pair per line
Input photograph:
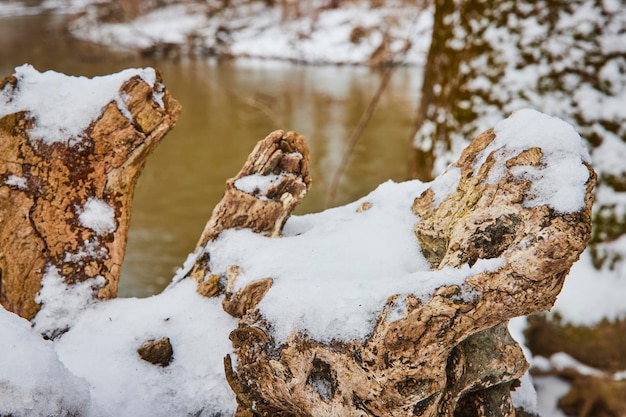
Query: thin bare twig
x,y
356,135
367,114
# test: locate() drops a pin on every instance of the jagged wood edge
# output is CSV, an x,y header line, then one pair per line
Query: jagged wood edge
x,y
423,364
39,222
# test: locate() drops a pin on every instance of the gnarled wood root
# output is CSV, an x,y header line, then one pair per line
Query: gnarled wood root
x,y
450,355
285,157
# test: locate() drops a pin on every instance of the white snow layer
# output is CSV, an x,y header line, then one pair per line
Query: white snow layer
x,y
102,348
98,372
559,182
63,106
33,382
15,181
61,304
257,184
524,396
98,216
333,271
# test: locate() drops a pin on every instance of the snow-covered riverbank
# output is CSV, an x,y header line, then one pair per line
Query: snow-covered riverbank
x,y
355,33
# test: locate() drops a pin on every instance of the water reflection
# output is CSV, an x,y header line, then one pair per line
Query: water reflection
x,y
227,108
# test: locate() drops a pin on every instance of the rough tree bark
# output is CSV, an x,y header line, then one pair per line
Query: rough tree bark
x,y
449,356
441,110
40,225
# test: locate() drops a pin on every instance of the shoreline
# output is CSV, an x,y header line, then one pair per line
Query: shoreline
x,y
355,34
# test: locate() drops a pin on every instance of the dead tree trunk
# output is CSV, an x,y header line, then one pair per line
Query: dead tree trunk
x,y
450,355
65,204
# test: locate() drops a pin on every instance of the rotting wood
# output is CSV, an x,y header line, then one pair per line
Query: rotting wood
x,y
281,153
450,355
40,225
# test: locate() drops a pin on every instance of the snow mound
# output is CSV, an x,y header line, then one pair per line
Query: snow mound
x,y
334,271
102,346
559,182
70,104
33,381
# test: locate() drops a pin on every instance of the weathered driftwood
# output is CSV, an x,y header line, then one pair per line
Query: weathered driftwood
x,y
448,355
451,355
263,211
455,102
40,226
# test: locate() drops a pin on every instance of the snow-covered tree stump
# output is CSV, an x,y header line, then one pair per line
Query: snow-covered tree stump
x,y
491,58
500,230
394,305
72,149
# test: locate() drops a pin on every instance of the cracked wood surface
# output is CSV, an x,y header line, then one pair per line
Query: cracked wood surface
x,y
39,219
281,153
450,355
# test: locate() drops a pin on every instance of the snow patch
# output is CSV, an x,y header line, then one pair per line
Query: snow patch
x,y
397,309
17,182
561,361
33,382
98,216
257,184
101,347
591,295
550,389
64,106
525,396
90,249
445,184
61,303
186,268
559,181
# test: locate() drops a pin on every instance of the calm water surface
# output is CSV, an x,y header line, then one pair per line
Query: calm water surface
x,y
227,107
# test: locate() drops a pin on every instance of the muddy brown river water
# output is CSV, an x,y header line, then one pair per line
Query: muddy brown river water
x,y
227,107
